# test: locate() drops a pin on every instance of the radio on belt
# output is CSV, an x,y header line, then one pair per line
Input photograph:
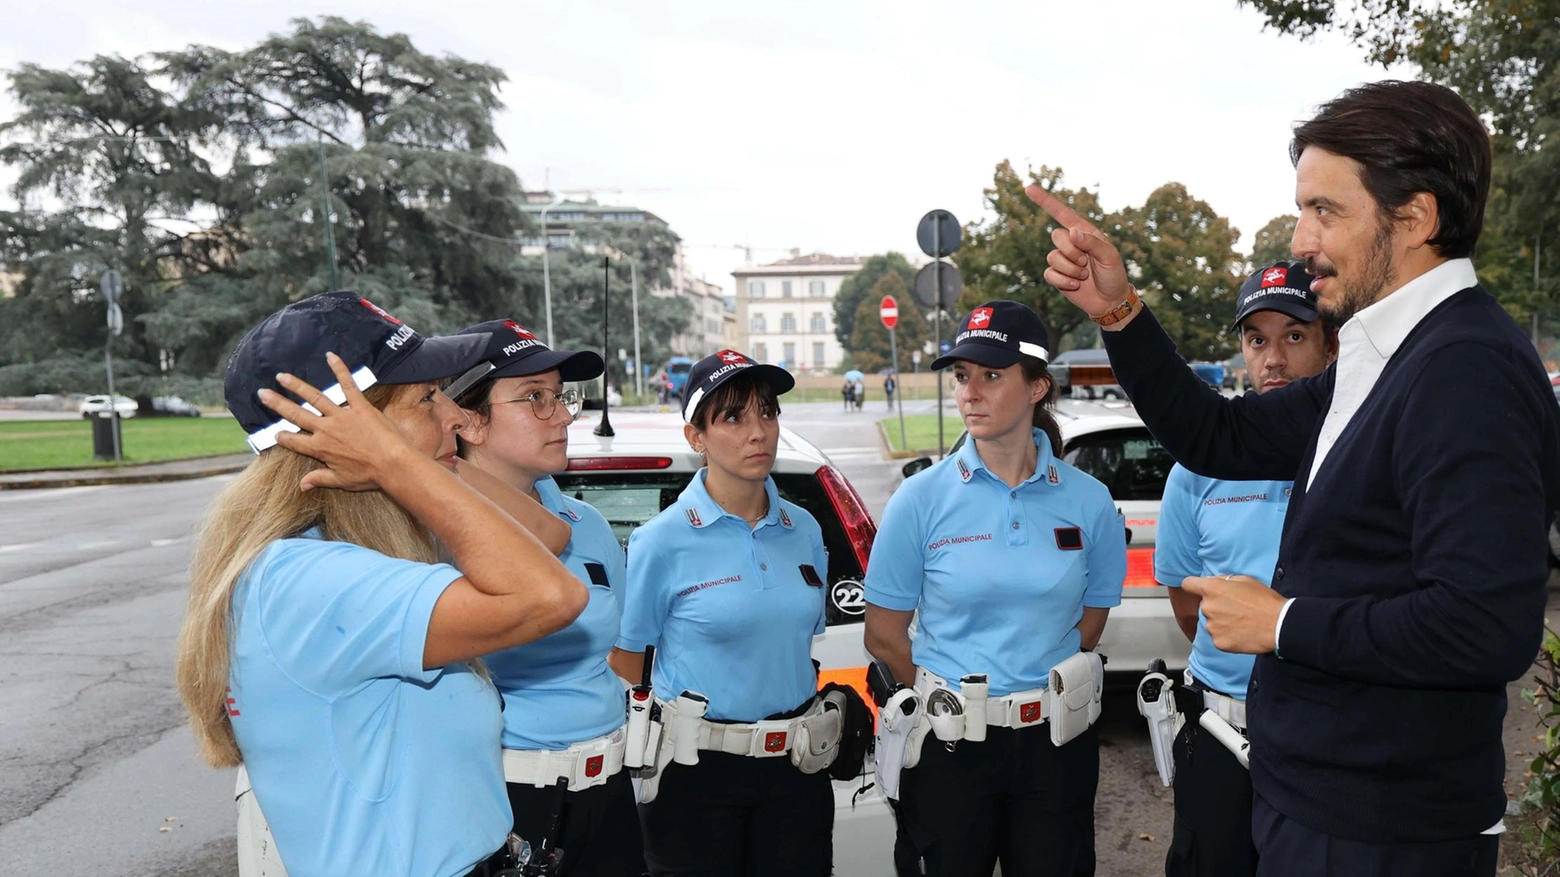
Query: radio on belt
x,y
640,700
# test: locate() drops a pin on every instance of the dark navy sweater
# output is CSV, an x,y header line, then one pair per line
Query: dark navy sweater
x,y
1418,560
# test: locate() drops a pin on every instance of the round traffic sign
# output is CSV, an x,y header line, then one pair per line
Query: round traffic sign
x,y
945,346
927,283
938,234
888,309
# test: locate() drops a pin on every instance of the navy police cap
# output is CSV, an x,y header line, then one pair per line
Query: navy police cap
x,y
996,334
1284,287
514,351
378,348
712,371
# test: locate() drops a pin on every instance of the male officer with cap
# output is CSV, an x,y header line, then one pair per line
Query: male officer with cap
x,y
1211,527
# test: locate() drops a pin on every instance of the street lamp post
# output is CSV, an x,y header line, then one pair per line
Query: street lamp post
x,y
546,274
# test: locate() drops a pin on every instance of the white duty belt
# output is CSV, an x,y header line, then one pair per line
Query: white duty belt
x,y
1230,709
766,739
586,764
1021,709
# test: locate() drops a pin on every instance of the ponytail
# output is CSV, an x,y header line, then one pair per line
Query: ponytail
x,y
1034,370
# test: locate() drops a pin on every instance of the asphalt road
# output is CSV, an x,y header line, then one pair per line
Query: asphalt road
x,y
98,774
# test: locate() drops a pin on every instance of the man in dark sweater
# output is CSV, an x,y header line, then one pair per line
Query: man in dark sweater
x,y
1410,583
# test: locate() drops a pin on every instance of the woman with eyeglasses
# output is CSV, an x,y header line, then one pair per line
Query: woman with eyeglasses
x,y
564,709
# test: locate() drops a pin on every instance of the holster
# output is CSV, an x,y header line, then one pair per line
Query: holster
x,y
901,728
257,855
1156,703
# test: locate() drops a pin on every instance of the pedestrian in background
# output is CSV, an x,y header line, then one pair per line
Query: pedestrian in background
x,y
325,647
889,386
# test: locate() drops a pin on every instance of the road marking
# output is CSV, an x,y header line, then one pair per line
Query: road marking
x,y
89,546
50,493
22,546
158,543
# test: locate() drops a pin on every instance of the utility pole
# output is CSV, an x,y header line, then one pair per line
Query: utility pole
x,y
330,227
639,367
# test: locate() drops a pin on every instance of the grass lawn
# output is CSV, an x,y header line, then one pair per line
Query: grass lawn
x,y
921,431
50,444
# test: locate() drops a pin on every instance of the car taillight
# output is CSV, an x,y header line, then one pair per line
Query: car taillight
x,y
583,464
852,512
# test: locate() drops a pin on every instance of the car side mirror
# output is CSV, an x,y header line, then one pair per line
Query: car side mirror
x,y
916,465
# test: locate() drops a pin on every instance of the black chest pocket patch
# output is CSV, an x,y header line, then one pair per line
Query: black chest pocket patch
x,y
810,575
1069,538
598,574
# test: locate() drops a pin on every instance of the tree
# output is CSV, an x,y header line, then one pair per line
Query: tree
x,y
1181,255
869,345
858,288
1272,243
1503,57
422,220
117,154
1004,257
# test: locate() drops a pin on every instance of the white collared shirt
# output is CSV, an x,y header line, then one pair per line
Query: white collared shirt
x,y
1368,340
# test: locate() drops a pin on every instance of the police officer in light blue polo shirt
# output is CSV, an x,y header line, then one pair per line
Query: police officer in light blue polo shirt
x,y
1013,559
564,708
728,585
1209,527
325,647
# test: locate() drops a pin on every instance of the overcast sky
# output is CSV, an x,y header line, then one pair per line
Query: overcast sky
x,y
825,126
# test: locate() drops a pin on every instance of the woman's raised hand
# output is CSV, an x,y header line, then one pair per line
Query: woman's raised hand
x,y
357,443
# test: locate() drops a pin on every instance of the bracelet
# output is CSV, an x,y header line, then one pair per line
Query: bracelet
x,y
1119,312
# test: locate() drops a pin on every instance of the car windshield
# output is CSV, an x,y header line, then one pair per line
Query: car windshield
x,y
1130,462
627,500
680,368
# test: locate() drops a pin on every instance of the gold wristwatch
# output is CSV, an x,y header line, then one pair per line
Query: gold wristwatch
x,y
1119,312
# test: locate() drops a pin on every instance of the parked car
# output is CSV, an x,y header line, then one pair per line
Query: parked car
x,y
631,476
171,406
95,405
1109,441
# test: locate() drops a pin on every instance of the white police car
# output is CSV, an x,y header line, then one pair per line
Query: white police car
x,y
1109,441
631,476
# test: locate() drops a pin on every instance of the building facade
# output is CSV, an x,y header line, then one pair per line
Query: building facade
x,y
785,310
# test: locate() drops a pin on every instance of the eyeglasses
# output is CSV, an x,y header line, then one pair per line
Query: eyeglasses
x,y
544,402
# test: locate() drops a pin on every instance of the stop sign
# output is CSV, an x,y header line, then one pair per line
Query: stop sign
x,y
888,309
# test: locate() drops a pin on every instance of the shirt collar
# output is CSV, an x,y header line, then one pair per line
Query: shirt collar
x,y
551,497
700,510
1388,321
968,461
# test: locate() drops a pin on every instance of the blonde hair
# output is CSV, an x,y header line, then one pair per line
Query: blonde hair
x,y
260,506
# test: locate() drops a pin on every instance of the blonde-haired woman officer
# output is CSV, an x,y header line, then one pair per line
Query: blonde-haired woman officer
x,y
325,647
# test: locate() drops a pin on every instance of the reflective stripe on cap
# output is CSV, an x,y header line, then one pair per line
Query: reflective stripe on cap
x,y
1035,350
262,439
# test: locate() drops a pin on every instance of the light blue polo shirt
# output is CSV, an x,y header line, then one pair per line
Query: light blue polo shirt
x,y
1209,527
364,762
731,610
1000,575
558,690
